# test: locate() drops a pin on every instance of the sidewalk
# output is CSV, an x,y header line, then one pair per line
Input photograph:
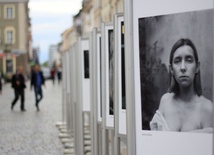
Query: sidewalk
x,y
31,132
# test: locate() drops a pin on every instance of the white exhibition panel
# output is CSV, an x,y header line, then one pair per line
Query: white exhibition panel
x,y
79,104
64,87
85,81
98,76
64,71
163,142
121,98
109,117
72,86
68,79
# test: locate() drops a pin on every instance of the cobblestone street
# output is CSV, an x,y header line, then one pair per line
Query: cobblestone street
x,y
31,132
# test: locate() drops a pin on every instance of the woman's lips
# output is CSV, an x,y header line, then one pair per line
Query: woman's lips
x,y
184,77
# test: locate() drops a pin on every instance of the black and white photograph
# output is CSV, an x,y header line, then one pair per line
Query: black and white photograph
x,y
123,84
176,72
111,71
86,64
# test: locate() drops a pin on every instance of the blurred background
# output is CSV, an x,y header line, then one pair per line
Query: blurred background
x,y
38,31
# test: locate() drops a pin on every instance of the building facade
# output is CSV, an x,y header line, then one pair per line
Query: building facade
x,y
93,13
15,36
54,58
35,55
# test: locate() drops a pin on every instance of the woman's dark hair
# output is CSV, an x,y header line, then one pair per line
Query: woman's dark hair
x,y
174,87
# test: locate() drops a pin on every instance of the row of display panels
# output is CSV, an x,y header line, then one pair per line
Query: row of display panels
x,y
138,83
92,76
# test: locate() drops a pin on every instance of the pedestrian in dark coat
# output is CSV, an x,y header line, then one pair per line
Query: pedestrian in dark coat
x,y
37,80
18,84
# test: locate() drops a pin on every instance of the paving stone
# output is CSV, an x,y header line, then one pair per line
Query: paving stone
x,y
87,142
87,149
66,140
69,145
64,131
87,137
68,151
61,127
88,153
58,124
64,135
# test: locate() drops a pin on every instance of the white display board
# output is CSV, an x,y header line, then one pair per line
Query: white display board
x,y
68,95
79,145
64,72
68,79
64,87
120,89
107,75
98,76
85,75
157,26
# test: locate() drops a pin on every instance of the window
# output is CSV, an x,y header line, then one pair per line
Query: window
x,y
9,11
9,35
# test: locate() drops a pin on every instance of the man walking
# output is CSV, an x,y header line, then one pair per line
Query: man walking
x,y
37,80
53,75
18,84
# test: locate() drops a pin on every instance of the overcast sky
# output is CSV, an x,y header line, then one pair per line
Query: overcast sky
x,y
49,18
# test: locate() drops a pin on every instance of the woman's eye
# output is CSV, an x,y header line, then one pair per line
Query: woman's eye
x,y
189,60
176,61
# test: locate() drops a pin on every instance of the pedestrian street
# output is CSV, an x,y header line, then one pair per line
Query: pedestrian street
x,y
31,132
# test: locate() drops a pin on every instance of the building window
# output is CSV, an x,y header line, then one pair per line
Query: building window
x,y
9,35
9,11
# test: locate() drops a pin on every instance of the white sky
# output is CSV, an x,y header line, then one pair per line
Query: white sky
x,y
49,18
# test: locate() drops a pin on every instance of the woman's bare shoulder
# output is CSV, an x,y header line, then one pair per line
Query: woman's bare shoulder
x,y
206,105
165,101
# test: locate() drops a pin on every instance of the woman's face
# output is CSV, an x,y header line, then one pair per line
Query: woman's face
x,y
184,66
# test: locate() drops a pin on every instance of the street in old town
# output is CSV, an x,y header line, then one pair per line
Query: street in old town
x,y
31,132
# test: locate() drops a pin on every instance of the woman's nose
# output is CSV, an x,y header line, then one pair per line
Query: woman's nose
x,y
183,66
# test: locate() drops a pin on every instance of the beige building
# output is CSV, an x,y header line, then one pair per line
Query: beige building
x,y
94,12
65,44
15,36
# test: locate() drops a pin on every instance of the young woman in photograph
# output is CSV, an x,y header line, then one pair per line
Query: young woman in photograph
x,y
183,108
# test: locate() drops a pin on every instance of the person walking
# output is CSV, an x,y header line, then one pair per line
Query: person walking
x,y
37,80
18,84
59,74
53,75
